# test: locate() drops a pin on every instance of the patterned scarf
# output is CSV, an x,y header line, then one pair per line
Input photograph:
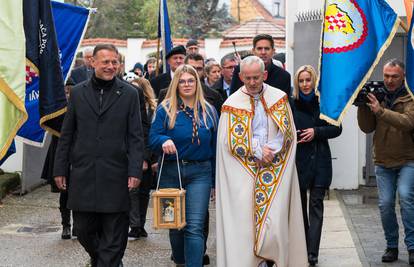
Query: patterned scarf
x,y
195,127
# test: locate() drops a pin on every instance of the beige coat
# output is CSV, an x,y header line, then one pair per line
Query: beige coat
x,y
259,214
393,137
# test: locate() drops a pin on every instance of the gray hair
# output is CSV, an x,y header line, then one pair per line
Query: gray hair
x,y
251,60
394,62
229,57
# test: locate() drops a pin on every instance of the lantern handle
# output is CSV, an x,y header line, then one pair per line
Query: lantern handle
x,y
178,169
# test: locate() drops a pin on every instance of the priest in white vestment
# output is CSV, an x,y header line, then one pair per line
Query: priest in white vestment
x,y
259,214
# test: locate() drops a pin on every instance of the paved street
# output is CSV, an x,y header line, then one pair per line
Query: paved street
x,y
30,234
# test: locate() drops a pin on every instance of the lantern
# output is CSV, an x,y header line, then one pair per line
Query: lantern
x,y
169,203
169,208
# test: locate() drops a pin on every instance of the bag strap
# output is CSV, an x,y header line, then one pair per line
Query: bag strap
x,y
178,169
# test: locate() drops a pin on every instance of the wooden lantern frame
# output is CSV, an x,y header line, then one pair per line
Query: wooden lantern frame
x,y
169,204
173,199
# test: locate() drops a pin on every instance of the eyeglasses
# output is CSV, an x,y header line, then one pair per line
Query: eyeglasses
x,y
199,68
229,67
189,82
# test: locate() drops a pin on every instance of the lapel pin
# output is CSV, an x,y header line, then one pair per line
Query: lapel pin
x,y
118,92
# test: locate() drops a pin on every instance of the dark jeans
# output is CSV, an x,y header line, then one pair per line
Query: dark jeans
x,y
188,244
103,235
313,222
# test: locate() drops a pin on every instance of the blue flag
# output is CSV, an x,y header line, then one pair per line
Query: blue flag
x,y
356,34
52,38
164,32
410,60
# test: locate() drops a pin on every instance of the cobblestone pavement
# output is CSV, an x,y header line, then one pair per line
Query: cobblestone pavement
x,y
30,236
361,211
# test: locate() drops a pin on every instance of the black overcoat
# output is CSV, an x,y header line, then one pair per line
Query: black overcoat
x,y
313,159
103,148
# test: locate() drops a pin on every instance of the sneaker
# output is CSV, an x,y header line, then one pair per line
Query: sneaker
x,y
411,257
390,255
66,232
142,232
134,233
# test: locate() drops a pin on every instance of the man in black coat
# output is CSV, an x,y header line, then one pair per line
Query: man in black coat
x,y
101,143
222,86
211,96
174,58
264,47
85,71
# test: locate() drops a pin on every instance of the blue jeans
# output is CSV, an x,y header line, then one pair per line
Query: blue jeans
x,y
389,180
188,244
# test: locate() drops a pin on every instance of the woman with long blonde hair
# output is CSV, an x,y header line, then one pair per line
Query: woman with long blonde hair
x,y
186,124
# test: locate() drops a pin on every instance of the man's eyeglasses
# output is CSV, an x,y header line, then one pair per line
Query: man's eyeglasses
x,y
229,67
189,82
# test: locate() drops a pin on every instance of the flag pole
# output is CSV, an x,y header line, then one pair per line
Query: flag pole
x,y
157,67
404,26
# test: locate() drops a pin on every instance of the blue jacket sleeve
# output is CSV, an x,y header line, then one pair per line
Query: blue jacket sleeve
x,y
158,132
214,145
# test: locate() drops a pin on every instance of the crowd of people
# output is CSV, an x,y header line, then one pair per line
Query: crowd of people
x,y
242,135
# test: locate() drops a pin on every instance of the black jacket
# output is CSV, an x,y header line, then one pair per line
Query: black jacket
x,y
160,82
219,88
276,77
313,159
81,74
102,147
211,96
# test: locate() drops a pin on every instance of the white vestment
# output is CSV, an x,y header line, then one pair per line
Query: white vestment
x,y
259,213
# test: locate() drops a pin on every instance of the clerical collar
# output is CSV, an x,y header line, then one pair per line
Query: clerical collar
x,y
255,96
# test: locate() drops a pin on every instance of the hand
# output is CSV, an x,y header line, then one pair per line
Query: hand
x,y
60,182
168,147
133,182
306,135
154,167
213,194
267,154
145,165
373,104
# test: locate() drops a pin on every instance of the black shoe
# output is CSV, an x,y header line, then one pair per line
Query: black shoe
x,y
142,232
312,259
390,255
66,232
411,257
134,233
206,260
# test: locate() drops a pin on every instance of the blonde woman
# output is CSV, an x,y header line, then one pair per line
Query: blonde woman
x,y
213,73
187,124
313,156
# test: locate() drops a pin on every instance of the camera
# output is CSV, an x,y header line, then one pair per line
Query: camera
x,y
376,88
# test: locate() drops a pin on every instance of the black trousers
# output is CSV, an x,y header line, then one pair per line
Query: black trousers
x,y
313,222
139,206
103,235
64,211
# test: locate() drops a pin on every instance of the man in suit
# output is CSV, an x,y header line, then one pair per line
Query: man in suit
x,y
85,71
101,144
264,48
222,86
211,96
174,58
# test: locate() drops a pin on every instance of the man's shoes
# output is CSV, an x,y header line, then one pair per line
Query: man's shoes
x,y
135,232
66,232
143,233
390,255
206,260
411,257
312,259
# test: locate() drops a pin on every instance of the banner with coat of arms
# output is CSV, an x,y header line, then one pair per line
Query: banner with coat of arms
x,y
355,35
